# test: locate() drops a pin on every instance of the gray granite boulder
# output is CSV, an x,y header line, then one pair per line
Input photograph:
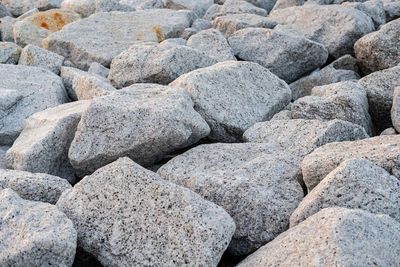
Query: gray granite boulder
x,y
199,7
70,74
373,8
381,150
231,96
135,218
255,183
395,114
381,49
98,69
6,29
88,87
43,144
155,63
144,122
265,4
38,57
79,42
392,9
289,62
34,186
334,237
26,33
303,136
234,7
355,184
23,92
3,150
344,101
320,23
83,7
19,7
9,53
4,11
34,233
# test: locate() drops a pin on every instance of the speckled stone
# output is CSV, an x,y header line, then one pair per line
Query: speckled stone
x,y
38,57
9,53
88,87
19,7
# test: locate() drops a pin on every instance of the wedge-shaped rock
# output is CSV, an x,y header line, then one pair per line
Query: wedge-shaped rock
x,y
334,237
34,233
380,88
135,218
143,122
381,49
382,150
231,96
344,101
155,63
9,53
23,92
43,144
39,57
116,32
289,62
321,23
34,186
19,7
255,183
303,136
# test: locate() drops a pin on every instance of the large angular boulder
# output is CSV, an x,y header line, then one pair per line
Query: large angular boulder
x,y
144,122
334,237
19,7
289,62
381,49
116,32
34,233
256,184
231,96
155,63
382,150
320,23
135,218
303,136
23,92
43,144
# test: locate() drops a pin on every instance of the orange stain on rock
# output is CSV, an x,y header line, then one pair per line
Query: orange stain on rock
x,y
52,20
158,31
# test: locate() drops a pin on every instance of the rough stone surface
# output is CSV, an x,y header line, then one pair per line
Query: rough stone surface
x,y
381,150
334,237
29,13
320,23
19,7
25,33
396,109
381,49
345,101
68,75
34,233
199,7
6,29
289,62
43,144
355,184
392,9
212,43
4,11
3,150
231,96
143,122
172,225
79,42
380,88
38,57
98,69
255,183
23,92
265,4
9,53
373,8
155,63
34,186
88,87
233,7
389,131
83,7
303,136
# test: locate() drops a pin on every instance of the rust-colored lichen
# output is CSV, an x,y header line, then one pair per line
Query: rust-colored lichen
x,y
44,25
158,31
52,20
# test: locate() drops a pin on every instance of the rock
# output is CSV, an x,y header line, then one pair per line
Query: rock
x,y
231,96
43,144
6,29
289,62
255,183
333,73
112,5
392,9
344,101
68,74
265,4
281,4
174,41
83,7
9,53
144,4
199,7
320,23
98,69
23,92
282,115
381,150
34,233
233,7
79,41
201,24
188,32
26,33
89,87
155,63
333,237
380,88
143,122
29,13
19,7
173,226
231,23
373,8
39,57
4,11
3,150
381,49
389,131
303,136
212,43
396,109
34,186
355,184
